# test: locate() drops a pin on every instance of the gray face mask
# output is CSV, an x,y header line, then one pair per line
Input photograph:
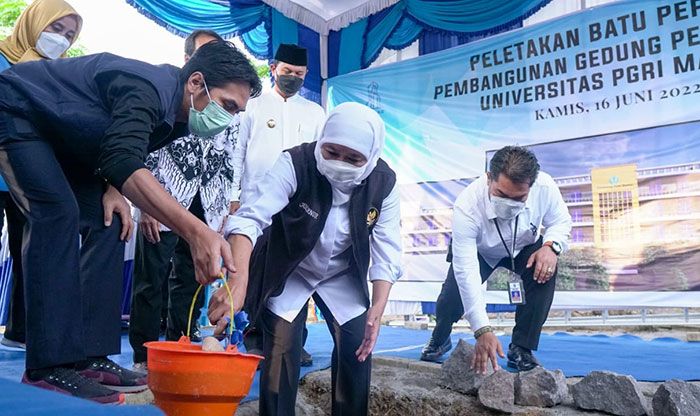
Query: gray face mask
x,y
506,209
289,84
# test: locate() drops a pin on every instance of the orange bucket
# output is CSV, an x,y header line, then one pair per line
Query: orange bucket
x,y
187,381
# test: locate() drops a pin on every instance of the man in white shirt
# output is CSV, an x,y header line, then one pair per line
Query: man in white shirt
x,y
497,223
277,120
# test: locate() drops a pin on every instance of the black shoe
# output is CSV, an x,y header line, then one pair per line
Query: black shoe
x,y
521,359
68,381
111,375
432,352
306,359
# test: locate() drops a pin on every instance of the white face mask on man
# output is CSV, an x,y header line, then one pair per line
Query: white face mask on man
x,y
52,45
506,209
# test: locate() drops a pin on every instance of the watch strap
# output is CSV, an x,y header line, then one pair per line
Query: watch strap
x,y
551,244
481,331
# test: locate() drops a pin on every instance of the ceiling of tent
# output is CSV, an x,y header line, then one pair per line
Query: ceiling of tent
x,y
325,15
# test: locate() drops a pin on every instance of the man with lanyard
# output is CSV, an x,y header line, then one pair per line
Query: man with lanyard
x,y
277,120
198,173
497,223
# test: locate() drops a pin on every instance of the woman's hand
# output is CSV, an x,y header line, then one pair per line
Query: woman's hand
x,y
219,311
374,321
240,248
380,296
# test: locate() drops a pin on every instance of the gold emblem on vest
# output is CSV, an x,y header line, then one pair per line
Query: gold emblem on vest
x,y
271,123
372,216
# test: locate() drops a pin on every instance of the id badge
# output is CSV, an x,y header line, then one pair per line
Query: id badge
x,y
516,291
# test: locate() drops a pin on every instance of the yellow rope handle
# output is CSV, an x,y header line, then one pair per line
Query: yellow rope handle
x,y
194,300
189,317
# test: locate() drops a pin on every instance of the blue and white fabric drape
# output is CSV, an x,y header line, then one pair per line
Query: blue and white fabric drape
x,y
401,24
262,27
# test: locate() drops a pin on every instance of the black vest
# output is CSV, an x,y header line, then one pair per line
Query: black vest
x,y
295,230
61,99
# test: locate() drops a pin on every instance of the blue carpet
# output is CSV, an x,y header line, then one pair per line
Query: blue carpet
x,y
577,355
20,400
657,360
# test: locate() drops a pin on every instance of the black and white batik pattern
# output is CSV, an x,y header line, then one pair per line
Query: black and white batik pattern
x,y
194,164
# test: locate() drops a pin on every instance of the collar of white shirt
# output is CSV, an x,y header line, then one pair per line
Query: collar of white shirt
x,y
282,99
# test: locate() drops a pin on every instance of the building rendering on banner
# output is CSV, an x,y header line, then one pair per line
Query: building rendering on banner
x,y
633,211
665,197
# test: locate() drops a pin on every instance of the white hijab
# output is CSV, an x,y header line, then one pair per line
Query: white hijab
x,y
360,128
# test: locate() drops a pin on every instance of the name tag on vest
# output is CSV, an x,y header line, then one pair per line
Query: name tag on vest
x,y
313,214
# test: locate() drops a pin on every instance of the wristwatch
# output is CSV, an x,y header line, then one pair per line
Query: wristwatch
x,y
556,247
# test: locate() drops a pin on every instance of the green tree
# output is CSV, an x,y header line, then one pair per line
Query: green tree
x,y
263,70
566,275
498,279
652,253
680,280
582,263
674,278
9,13
579,263
76,50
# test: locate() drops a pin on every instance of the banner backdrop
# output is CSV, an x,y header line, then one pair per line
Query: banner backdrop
x,y
607,98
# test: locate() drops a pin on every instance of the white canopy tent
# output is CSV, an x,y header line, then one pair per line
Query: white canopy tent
x,y
326,15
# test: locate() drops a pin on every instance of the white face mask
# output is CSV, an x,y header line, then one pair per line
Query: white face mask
x,y
52,45
506,209
340,173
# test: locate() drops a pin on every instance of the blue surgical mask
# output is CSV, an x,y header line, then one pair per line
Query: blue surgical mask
x,y
212,120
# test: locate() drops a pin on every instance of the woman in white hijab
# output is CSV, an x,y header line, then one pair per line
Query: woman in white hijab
x,y
325,218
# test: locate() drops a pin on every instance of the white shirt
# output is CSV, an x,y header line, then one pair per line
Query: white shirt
x,y
194,164
473,231
270,125
326,269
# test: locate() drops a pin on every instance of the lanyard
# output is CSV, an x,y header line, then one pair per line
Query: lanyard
x,y
511,253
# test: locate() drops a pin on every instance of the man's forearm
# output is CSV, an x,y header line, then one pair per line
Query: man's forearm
x,y
148,194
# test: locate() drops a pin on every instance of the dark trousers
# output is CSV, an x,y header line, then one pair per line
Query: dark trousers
x,y
151,270
16,320
253,339
529,318
71,290
282,344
